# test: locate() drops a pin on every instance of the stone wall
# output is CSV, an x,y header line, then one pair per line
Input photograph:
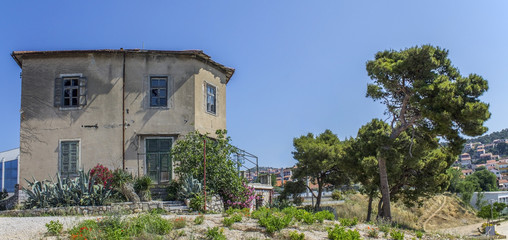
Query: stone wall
x,y
215,204
126,207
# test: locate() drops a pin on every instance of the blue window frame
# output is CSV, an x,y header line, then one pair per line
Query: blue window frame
x,y
158,92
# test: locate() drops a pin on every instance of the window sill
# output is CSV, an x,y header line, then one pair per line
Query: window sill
x,y
70,108
212,113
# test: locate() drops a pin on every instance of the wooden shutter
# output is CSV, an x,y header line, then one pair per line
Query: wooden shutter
x,y
57,100
82,91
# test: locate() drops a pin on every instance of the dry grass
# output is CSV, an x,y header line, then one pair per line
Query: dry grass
x,y
452,214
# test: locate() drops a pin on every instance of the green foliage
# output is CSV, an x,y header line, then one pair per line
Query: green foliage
x,y
121,177
336,195
142,184
172,189
221,172
491,212
308,218
372,232
179,223
262,212
294,235
54,227
455,176
419,234
215,234
79,191
228,222
274,222
197,202
114,227
4,194
293,189
199,220
488,138
190,187
340,233
346,222
425,97
397,235
322,215
486,180
320,159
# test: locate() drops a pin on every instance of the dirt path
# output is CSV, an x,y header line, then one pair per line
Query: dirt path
x,y
443,204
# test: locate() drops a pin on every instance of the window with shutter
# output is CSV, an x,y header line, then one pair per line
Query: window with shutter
x,y
70,92
69,158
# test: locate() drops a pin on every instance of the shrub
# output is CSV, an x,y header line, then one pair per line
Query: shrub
x,y
190,187
4,194
228,222
114,227
308,218
262,212
172,189
215,234
336,195
274,223
142,184
102,175
199,220
244,199
121,177
346,222
79,191
340,233
397,235
372,232
197,202
322,215
54,227
294,235
419,234
180,222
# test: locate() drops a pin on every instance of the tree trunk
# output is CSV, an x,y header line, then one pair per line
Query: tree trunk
x,y
128,191
380,209
369,209
385,190
318,199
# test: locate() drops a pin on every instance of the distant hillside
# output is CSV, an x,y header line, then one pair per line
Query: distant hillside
x,y
503,134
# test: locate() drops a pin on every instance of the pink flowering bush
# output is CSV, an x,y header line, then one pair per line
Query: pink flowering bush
x,y
102,175
243,199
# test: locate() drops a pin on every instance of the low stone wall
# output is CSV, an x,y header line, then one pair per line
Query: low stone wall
x,y
215,204
126,207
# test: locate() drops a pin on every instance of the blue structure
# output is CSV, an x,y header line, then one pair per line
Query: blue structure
x,y
9,174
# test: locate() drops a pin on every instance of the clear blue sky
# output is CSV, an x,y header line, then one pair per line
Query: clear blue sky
x,y
300,65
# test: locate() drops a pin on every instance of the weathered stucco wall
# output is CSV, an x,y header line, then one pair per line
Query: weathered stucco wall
x,y
43,125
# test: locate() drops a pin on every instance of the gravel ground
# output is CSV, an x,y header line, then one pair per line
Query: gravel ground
x,y
32,227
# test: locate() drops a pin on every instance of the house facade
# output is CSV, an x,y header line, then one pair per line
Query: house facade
x,y
120,108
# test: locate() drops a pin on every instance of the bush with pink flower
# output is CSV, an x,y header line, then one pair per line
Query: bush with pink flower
x,y
243,199
102,175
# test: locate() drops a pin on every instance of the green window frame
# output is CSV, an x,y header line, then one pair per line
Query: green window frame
x,y
69,158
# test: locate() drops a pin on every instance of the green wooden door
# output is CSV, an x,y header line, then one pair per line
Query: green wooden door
x,y
158,159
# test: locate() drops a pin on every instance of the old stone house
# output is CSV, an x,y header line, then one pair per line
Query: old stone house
x,y
121,108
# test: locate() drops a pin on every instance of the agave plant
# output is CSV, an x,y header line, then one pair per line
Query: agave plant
x,y
79,191
190,187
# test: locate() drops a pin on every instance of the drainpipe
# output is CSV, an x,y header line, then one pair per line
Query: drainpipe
x,y
123,111
3,174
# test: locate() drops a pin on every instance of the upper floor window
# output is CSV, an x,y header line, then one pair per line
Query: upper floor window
x,y
158,92
69,157
211,93
70,91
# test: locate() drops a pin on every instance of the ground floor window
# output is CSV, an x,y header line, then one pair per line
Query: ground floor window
x,y
158,159
69,158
